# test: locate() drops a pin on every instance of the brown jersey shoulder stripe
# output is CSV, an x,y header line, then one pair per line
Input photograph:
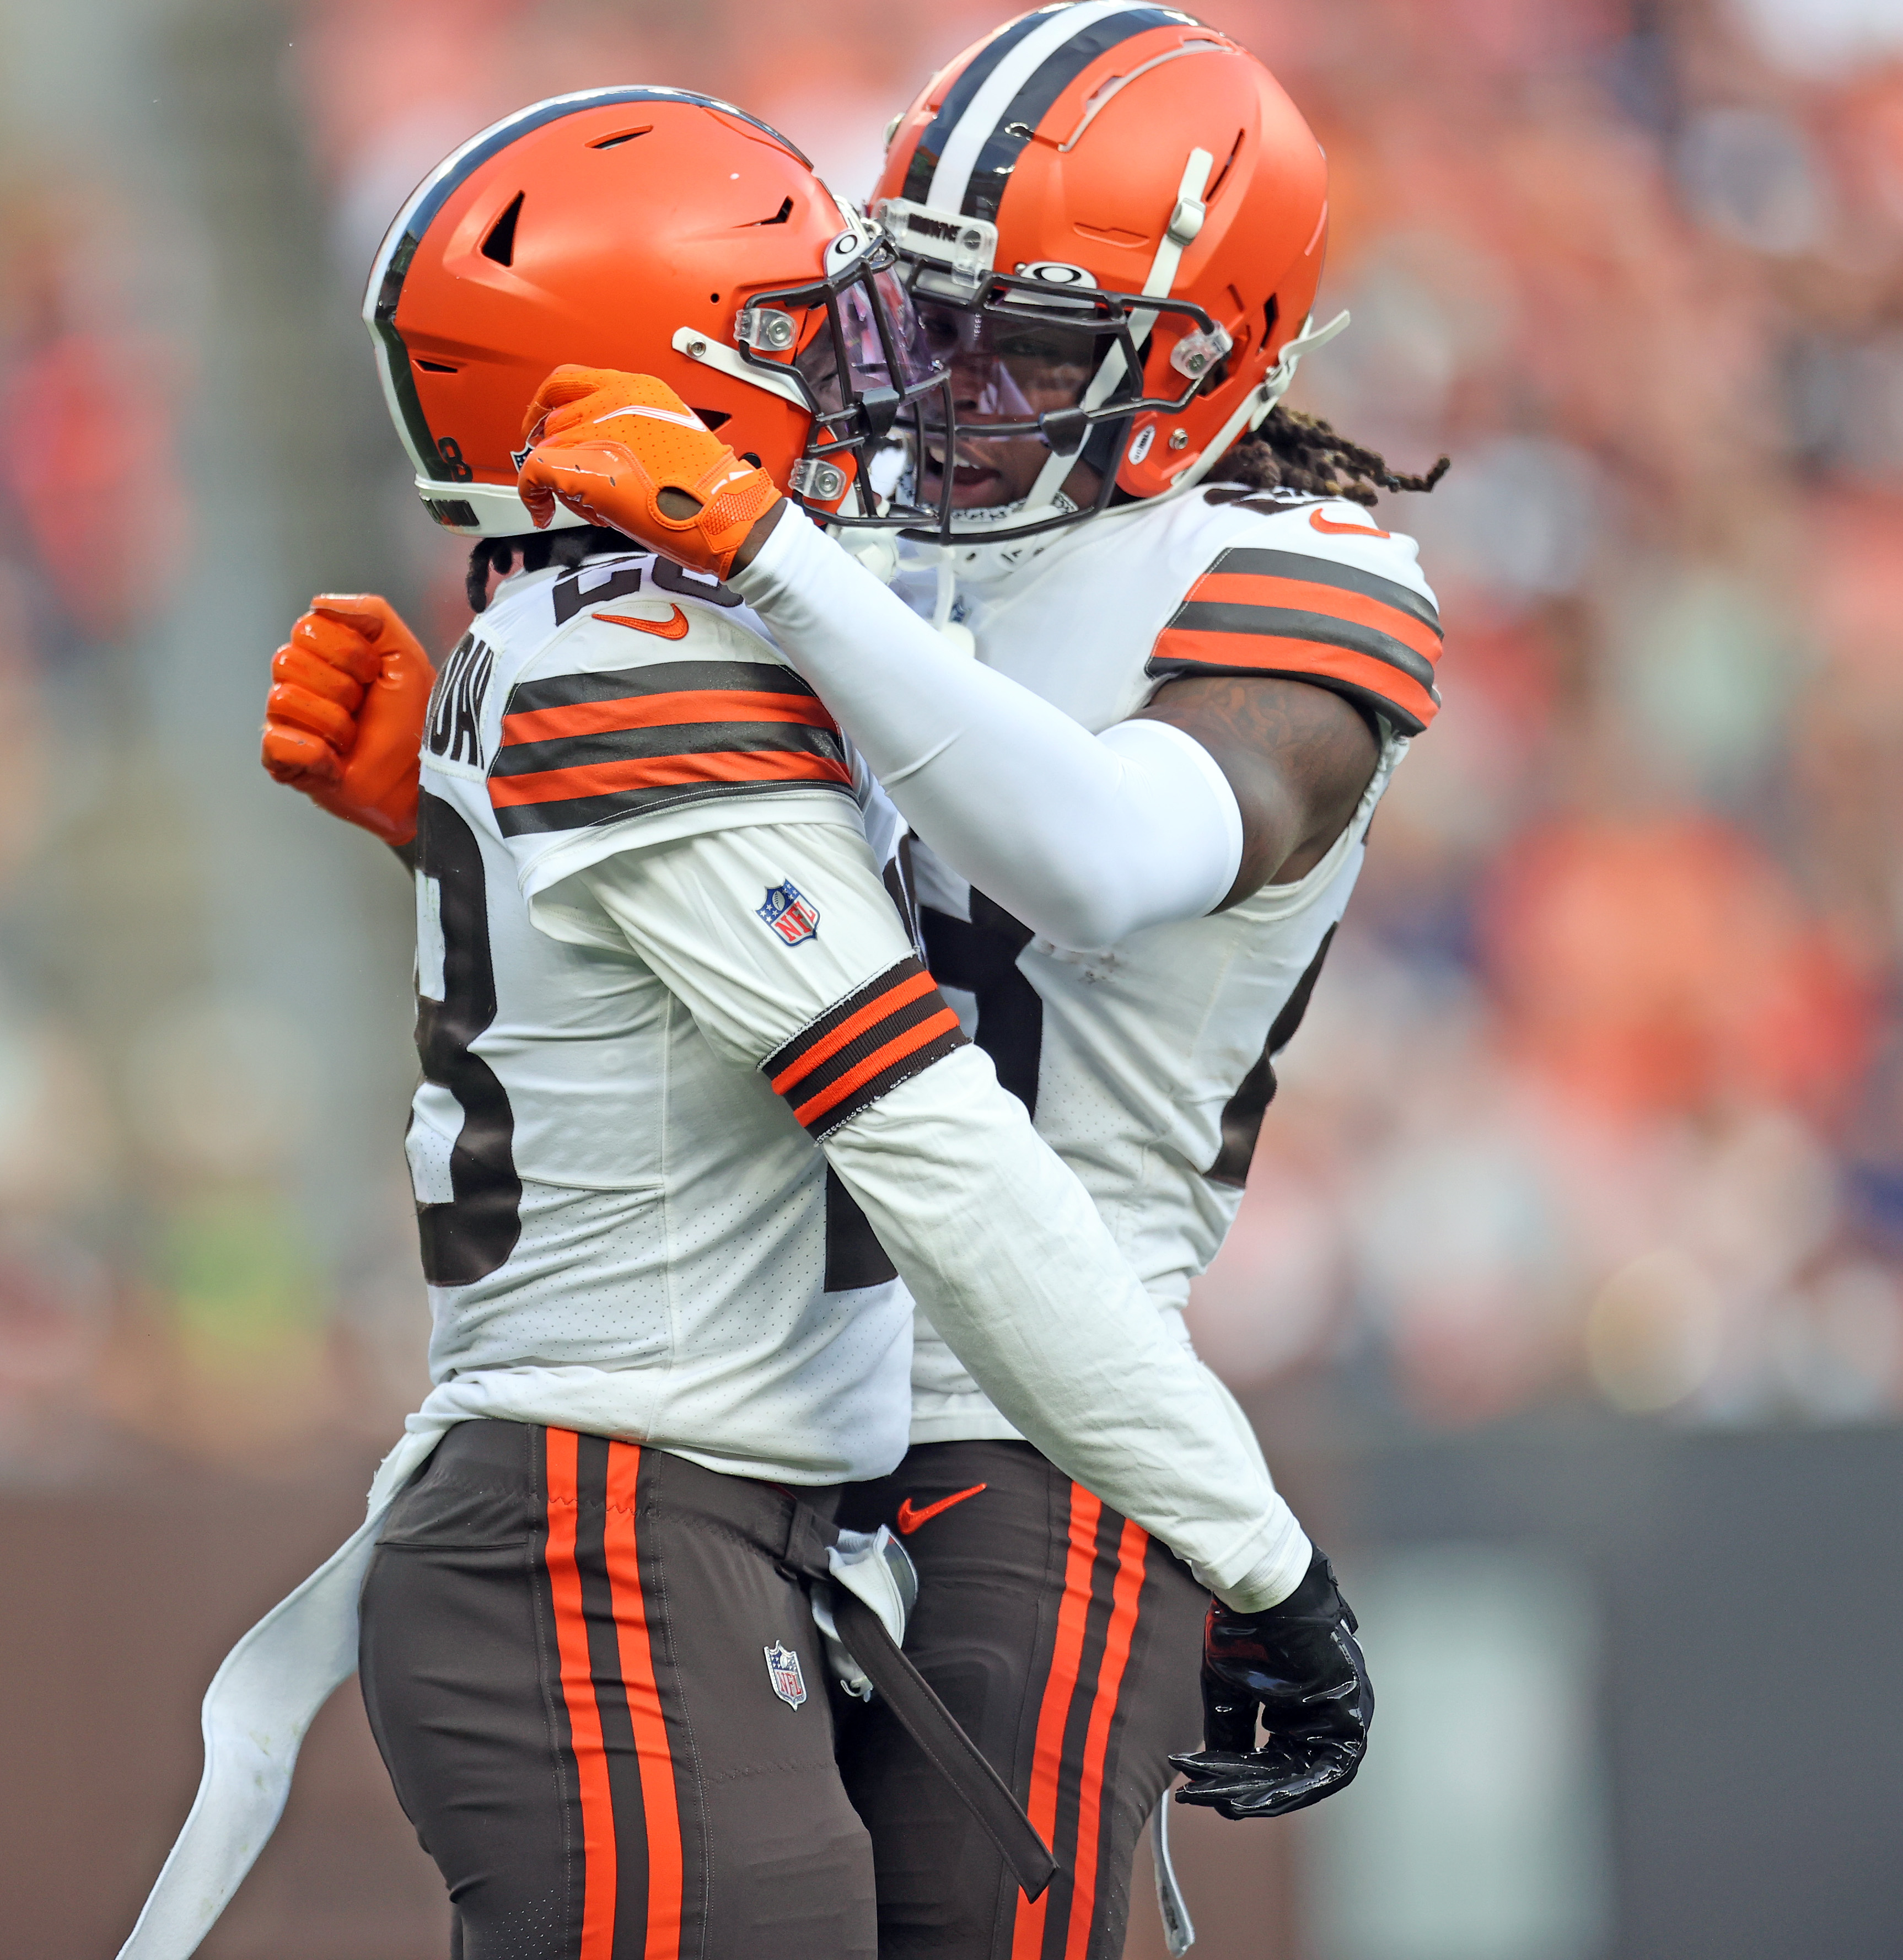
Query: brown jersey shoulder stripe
x,y
1252,618
520,761
660,711
1372,685
1296,616
659,677
585,748
1249,593
1307,569
575,798
864,1047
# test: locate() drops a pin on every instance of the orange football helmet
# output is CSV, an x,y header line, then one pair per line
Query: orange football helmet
x,y
1119,195
649,229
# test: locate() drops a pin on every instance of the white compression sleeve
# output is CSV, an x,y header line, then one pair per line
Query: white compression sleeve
x,y
1085,837
994,1237
1003,1249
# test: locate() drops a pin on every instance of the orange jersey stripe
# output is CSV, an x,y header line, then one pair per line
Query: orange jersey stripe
x,y
660,711
1279,656
1053,1712
1255,588
598,1868
761,766
901,1045
653,1754
874,1011
1131,1550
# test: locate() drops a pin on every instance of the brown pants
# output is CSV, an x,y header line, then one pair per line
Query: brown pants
x,y
1068,1644
604,1707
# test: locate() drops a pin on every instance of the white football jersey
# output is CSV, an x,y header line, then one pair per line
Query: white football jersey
x,y
609,1207
1147,1065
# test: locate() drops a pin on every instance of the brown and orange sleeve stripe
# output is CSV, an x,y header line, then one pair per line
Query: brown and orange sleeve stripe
x,y
1310,618
585,748
882,1034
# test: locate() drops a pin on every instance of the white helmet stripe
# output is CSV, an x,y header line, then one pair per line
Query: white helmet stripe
x,y
1001,87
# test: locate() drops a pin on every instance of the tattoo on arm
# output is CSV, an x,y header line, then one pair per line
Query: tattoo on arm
x,y
1298,757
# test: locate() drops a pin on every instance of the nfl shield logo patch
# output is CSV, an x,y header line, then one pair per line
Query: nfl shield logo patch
x,y
783,1670
789,913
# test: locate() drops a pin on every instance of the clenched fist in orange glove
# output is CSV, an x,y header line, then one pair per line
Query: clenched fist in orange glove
x,y
344,720
626,451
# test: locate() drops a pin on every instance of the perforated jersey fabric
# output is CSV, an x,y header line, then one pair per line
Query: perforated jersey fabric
x,y
618,1223
1147,1064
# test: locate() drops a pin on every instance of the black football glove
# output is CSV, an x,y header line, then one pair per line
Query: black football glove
x,y
1299,1666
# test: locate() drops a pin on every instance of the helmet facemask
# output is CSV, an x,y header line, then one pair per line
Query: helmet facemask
x,y
852,346
1044,386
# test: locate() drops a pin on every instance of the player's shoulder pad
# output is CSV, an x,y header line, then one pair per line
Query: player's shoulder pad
x,y
653,688
1316,591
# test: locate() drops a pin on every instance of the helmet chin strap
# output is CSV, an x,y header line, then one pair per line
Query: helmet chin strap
x,y
1186,224
1256,404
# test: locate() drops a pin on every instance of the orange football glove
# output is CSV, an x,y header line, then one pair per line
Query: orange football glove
x,y
610,447
344,720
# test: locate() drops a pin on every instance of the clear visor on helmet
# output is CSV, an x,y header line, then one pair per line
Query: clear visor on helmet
x,y
859,359
923,408
1009,370
855,342
1008,373
1044,382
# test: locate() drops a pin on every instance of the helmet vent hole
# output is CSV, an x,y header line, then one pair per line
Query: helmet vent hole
x,y
713,418
434,367
500,244
1271,313
621,136
1235,150
780,217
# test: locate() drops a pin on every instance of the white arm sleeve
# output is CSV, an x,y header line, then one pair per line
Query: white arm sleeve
x,y
1085,837
995,1237
1001,1246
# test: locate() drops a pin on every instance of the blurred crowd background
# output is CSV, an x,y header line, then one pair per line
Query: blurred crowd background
x,y
1568,1286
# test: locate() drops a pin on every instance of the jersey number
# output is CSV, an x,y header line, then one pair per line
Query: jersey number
x,y
665,576
1242,1113
472,1235
982,957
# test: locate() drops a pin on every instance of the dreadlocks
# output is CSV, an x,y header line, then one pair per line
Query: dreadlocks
x,y
538,550
1293,451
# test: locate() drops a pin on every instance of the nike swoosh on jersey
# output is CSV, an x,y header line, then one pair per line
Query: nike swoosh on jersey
x,y
910,1519
1322,523
673,629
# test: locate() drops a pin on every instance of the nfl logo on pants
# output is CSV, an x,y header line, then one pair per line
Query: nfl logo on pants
x,y
790,912
783,1670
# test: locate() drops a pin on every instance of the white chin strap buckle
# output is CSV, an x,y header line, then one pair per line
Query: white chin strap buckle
x,y
1185,225
1276,383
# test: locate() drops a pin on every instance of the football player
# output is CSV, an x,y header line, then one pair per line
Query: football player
x,y
1136,820
686,1087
